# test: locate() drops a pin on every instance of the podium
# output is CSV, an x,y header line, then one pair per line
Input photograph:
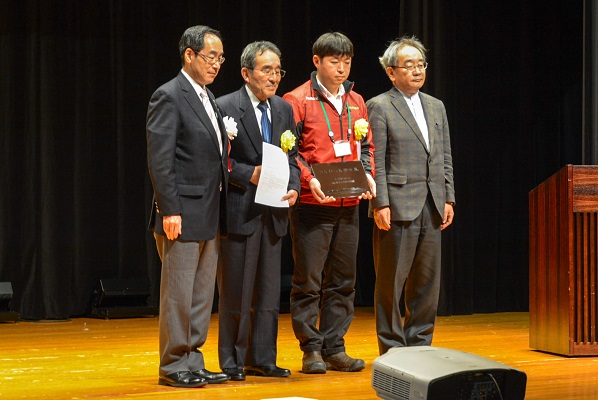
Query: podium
x,y
563,262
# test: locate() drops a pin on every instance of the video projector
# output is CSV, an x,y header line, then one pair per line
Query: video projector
x,y
433,373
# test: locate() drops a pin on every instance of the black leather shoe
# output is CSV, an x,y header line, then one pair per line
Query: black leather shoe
x,y
183,379
211,377
272,371
236,374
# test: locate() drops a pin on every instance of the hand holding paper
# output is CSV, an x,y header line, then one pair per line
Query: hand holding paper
x,y
274,177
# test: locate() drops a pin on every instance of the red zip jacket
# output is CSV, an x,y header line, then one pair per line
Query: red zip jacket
x,y
315,145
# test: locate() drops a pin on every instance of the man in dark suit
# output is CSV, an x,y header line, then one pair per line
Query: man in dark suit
x,y
415,198
187,160
250,257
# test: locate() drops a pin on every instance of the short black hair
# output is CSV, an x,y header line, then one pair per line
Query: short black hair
x,y
333,44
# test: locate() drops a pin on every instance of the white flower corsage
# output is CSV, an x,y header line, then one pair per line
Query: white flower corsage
x,y
231,127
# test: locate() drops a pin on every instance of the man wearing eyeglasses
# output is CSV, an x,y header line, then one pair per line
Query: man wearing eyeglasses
x,y
325,230
415,198
250,257
187,160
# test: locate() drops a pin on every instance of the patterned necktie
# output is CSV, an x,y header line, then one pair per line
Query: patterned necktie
x,y
210,110
266,126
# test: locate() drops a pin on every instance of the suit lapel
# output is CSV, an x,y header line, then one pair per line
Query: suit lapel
x,y
195,102
428,115
249,120
399,102
223,134
277,122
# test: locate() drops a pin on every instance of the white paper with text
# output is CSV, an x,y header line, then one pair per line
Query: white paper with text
x,y
274,178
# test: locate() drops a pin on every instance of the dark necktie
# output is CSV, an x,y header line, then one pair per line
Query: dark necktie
x,y
266,127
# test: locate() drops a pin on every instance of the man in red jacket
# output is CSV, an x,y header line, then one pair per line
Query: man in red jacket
x,y
332,127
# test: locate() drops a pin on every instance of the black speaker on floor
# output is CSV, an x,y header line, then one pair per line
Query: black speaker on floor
x,y
121,298
433,373
5,299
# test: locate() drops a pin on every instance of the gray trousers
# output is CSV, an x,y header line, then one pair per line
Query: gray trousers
x,y
186,296
407,258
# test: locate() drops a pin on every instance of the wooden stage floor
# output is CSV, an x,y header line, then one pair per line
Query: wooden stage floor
x,y
117,359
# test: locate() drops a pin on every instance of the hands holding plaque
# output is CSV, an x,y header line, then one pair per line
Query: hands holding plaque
x,y
341,180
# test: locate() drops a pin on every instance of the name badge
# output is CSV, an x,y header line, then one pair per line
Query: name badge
x,y
342,148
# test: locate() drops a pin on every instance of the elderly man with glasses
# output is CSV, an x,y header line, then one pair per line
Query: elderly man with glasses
x,y
415,199
250,257
188,165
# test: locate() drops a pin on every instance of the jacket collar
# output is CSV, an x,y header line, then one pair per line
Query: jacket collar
x,y
347,85
398,101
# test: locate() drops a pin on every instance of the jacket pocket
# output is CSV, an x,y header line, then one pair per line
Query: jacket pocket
x,y
396,179
191,190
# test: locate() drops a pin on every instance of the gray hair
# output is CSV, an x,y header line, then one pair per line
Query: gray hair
x,y
391,55
255,49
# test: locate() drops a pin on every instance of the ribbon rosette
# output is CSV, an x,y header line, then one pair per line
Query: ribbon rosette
x,y
231,127
361,128
287,141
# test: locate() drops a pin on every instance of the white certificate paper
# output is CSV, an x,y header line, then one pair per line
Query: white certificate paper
x,y
274,178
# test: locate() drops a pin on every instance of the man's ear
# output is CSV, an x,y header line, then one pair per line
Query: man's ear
x,y
189,54
245,74
390,71
317,60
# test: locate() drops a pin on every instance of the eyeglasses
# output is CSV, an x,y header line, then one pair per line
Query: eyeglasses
x,y
211,60
271,71
411,68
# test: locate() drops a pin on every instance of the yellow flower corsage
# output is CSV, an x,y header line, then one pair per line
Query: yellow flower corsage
x,y
361,128
287,141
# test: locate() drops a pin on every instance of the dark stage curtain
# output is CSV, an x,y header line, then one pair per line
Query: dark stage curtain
x,y
76,77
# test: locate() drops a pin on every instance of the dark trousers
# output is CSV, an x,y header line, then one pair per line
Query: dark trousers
x,y
249,302
407,256
325,241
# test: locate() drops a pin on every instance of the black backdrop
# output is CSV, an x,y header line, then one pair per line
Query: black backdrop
x,y
75,80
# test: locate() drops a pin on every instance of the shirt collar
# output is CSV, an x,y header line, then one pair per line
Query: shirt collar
x,y
254,100
326,92
405,95
198,88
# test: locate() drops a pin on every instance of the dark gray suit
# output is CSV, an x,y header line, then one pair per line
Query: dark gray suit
x,y
250,257
415,182
189,176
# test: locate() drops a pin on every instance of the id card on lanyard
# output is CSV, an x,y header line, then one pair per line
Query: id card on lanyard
x,y
342,148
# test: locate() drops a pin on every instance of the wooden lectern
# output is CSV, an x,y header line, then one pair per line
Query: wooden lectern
x,y
563,262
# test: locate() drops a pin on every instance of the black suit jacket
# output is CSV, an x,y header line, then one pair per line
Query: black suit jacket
x,y
188,173
246,153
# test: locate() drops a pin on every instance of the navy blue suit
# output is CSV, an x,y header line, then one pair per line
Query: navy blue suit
x,y
250,257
